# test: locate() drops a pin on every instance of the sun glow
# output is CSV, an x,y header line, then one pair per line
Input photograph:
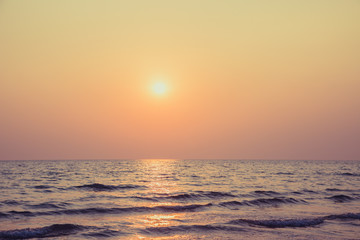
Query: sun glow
x,y
159,88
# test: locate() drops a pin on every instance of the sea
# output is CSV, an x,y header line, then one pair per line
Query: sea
x,y
179,199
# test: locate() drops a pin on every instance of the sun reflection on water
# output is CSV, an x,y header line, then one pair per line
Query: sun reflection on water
x,y
160,220
160,171
160,182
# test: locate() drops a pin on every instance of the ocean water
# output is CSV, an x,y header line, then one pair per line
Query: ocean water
x,y
179,199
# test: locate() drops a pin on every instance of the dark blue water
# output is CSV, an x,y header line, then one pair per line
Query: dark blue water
x,y
180,199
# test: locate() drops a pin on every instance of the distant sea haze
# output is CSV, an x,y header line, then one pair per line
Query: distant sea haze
x,y
179,199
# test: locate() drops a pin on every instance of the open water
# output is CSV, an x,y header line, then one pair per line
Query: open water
x,y
179,199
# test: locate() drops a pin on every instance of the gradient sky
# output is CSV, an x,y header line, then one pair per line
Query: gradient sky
x,y
247,79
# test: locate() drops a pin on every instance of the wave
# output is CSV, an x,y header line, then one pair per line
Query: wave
x,y
94,211
101,187
182,229
281,223
212,194
349,174
11,202
191,196
344,216
42,187
46,205
275,223
75,212
104,234
296,222
21,213
284,173
181,208
54,230
266,193
341,198
178,208
309,191
145,198
165,208
262,202
339,190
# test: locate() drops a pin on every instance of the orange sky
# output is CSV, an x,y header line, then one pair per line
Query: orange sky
x,y
246,79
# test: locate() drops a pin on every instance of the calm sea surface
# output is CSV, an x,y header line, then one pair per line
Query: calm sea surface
x,y
179,199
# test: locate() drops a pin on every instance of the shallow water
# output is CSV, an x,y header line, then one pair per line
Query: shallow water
x,y
180,199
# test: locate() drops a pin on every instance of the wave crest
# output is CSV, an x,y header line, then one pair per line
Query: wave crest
x,y
296,222
181,229
281,223
54,230
101,187
341,198
191,196
262,202
98,210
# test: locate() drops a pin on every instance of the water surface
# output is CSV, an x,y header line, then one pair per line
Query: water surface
x,y
180,199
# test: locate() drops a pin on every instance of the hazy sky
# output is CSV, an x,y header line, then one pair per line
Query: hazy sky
x,y
246,79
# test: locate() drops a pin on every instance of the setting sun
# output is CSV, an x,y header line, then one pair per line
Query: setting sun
x,y
159,88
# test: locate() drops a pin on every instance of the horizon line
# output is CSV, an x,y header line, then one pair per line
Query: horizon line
x,y
178,159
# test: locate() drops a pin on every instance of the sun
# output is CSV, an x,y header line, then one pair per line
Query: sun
x,y
159,88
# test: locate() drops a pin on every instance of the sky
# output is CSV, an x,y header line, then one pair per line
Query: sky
x,y
252,79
